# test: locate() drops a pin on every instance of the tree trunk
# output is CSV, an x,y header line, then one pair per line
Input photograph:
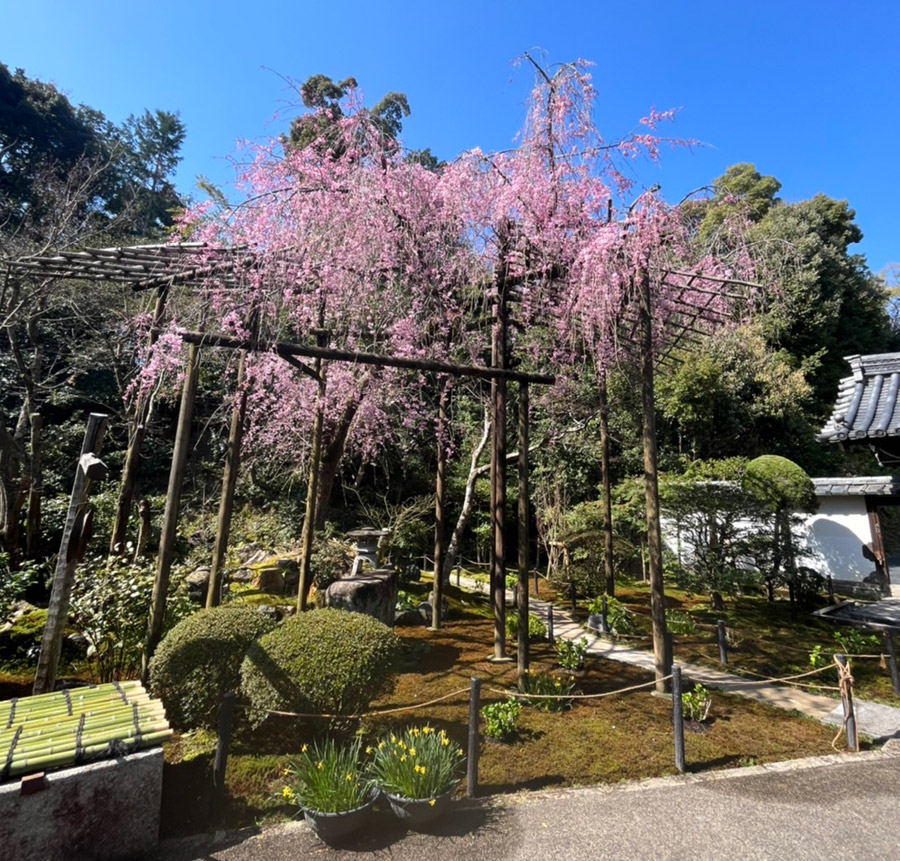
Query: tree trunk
x,y
468,497
142,411
229,482
312,492
35,489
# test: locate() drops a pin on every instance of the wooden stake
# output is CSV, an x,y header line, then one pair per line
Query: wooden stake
x,y
662,659
312,485
170,515
472,753
66,560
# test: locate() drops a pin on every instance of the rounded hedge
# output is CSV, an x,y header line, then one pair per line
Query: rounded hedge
x,y
199,660
321,662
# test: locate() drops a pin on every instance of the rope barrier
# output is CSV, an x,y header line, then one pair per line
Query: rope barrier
x,y
520,695
356,716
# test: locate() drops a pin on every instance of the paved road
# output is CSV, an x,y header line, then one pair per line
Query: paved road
x,y
840,807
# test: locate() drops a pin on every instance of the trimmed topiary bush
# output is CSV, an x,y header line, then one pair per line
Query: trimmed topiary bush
x,y
321,662
199,660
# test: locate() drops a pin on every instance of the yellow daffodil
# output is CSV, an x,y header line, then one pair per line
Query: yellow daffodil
x,y
319,765
445,741
369,749
303,749
412,751
431,802
349,778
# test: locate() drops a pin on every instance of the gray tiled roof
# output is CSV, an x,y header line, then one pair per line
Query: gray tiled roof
x,y
866,485
867,403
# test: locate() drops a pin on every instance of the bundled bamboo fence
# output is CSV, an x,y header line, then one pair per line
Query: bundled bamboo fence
x,y
72,726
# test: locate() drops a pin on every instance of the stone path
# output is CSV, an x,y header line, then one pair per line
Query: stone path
x,y
877,721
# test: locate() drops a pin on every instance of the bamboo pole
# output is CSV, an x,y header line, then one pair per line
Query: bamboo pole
x,y
170,517
88,468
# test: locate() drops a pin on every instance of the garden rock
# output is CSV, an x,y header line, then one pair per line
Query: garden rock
x,y
197,583
242,575
269,612
269,580
425,611
290,570
373,594
406,618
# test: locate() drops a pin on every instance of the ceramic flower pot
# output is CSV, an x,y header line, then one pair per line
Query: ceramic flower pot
x,y
414,812
334,827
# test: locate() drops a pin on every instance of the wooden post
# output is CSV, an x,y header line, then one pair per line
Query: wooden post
x,y
312,485
136,442
550,638
723,643
849,712
604,615
70,547
170,515
608,569
35,489
229,482
523,601
472,753
226,720
678,718
661,657
892,661
498,469
437,592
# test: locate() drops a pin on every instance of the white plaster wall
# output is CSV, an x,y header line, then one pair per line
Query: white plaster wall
x,y
834,538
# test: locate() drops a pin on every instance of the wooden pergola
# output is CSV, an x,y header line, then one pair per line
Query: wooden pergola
x,y
162,267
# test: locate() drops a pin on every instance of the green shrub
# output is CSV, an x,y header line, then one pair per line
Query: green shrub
x,y
696,703
679,622
321,662
110,605
500,719
332,558
555,688
853,642
569,654
537,630
199,660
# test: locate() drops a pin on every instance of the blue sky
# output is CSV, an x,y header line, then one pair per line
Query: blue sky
x,y
808,91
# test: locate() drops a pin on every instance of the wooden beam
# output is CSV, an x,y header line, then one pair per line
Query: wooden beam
x,y
283,348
